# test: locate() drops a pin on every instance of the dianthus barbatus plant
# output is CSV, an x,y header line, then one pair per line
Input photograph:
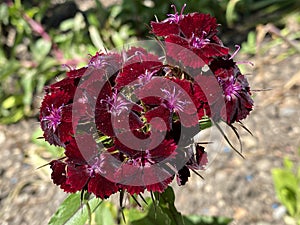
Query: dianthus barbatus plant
x,y
127,119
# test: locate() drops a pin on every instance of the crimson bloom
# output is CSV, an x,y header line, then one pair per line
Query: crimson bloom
x,y
55,117
145,168
188,34
84,171
236,90
127,119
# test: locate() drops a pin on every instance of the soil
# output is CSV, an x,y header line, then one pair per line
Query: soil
x,y
233,187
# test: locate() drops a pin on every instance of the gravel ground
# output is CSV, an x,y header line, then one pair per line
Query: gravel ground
x,y
27,195
233,187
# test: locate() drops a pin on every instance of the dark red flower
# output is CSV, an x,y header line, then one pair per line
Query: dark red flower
x,y
67,85
139,67
59,175
115,111
127,120
183,175
236,90
165,118
210,96
168,98
85,168
109,61
195,158
55,118
102,187
191,39
192,98
76,73
198,159
169,25
194,52
199,26
146,169
93,176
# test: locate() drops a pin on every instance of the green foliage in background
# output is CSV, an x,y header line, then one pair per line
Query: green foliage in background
x,y
287,187
37,39
249,13
234,14
23,58
96,211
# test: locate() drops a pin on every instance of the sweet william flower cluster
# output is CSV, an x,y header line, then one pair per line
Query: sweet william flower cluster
x,y
127,119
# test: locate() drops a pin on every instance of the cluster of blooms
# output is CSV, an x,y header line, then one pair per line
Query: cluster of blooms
x,y
127,120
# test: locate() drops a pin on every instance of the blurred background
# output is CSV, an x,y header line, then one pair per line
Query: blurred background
x,y
40,38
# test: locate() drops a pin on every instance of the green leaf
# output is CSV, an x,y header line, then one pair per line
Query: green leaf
x,y
133,214
249,47
205,122
105,213
117,39
230,13
286,187
11,102
27,82
206,220
41,49
78,22
48,64
288,164
155,216
67,24
14,117
4,17
72,212
166,203
96,38
8,68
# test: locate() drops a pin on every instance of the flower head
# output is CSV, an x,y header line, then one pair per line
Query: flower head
x,y
105,61
175,18
193,40
174,100
231,88
116,103
84,168
54,118
199,42
146,77
236,90
127,120
140,170
139,66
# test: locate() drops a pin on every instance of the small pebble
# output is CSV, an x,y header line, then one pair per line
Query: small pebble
x,y
263,223
264,164
286,112
279,212
275,205
2,137
226,149
14,180
249,178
